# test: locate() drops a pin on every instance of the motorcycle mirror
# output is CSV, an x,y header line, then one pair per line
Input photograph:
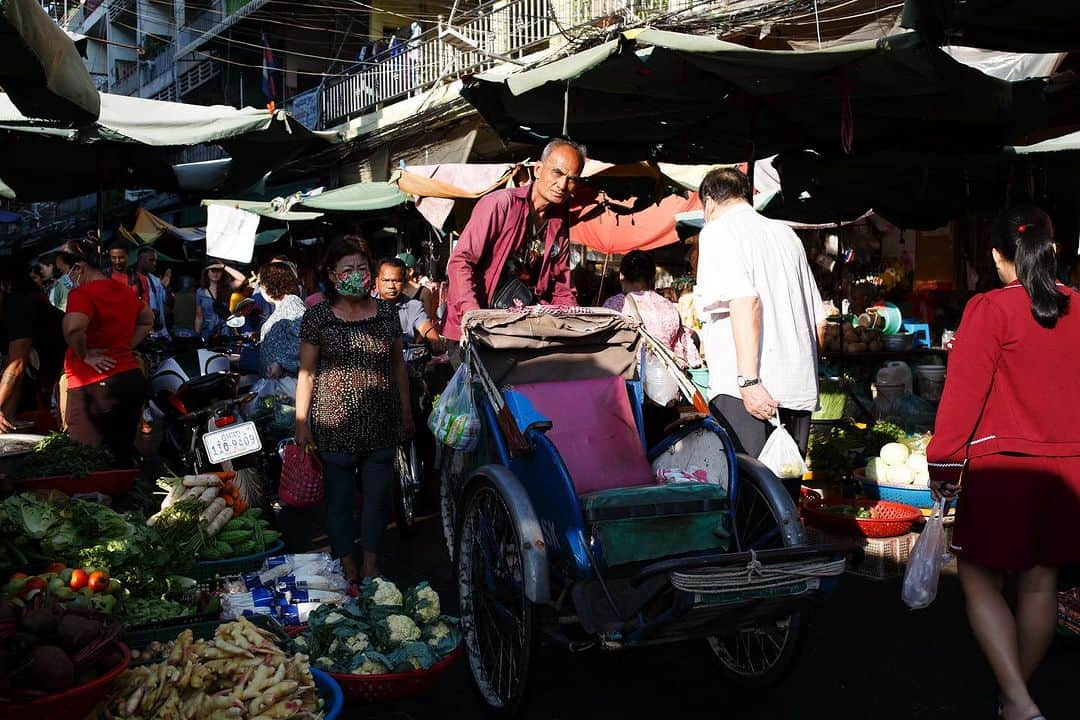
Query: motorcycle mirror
x,y
245,307
235,321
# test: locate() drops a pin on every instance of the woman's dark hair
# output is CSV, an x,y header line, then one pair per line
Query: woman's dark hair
x,y
223,284
723,184
1024,235
277,280
82,250
341,247
638,266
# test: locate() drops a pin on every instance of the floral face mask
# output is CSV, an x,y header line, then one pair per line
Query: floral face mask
x,y
354,283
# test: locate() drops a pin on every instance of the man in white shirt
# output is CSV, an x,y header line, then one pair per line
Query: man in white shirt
x,y
761,313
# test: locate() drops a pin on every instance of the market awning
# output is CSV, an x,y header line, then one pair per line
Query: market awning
x,y
135,142
1015,25
687,98
1065,143
272,211
40,68
359,197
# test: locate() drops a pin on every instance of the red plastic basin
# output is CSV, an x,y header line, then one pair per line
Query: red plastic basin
x,y
78,702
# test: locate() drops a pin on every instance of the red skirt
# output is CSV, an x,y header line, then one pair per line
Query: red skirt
x,y
1018,511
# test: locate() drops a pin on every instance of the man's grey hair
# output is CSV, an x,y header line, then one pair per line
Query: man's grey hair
x,y
561,142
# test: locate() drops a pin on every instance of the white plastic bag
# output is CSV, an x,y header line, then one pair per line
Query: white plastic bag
x,y
781,454
925,562
660,385
454,420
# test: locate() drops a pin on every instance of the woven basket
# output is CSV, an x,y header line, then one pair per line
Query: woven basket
x,y
393,686
888,519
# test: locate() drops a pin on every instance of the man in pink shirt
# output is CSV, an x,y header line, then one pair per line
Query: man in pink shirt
x,y
516,247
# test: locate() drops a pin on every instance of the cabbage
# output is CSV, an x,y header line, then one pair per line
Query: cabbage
x,y
875,469
900,475
894,454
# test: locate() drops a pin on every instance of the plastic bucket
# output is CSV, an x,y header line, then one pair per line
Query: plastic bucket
x,y
700,376
894,319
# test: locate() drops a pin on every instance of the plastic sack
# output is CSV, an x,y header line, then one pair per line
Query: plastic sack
x,y
926,560
781,453
454,420
660,385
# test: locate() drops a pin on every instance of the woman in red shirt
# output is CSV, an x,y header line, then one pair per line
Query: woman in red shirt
x,y
1007,415
106,388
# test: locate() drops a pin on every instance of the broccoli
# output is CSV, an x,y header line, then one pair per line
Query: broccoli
x,y
422,603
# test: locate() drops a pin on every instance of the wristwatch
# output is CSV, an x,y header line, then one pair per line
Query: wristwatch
x,y
746,382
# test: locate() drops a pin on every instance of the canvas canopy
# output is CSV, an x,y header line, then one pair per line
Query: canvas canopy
x,y
134,143
358,197
1016,25
265,209
687,98
40,68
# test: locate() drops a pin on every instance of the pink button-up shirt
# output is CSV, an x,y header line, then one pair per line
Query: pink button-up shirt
x,y
495,230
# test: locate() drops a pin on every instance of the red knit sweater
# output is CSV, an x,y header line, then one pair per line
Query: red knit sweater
x,y
1013,386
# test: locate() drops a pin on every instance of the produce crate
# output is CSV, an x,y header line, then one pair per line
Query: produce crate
x,y
107,482
883,558
206,569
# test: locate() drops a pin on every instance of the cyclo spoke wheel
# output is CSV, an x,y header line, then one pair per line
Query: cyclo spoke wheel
x,y
760,655
497,619
407,464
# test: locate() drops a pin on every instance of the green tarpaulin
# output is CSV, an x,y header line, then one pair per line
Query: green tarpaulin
x,y
359,197
135,143
40,67
269,237
688,98
266,210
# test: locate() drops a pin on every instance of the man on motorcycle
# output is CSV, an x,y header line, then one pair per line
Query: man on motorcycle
x,y
416,326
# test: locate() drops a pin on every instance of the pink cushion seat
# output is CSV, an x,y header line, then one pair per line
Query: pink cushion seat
x,y
594,431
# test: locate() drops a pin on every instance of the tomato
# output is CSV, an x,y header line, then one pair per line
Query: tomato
x,y
98,581
79,578
19,576
36,583
56,568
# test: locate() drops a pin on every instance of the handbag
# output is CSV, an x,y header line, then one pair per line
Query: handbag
x,y
301,477
510,293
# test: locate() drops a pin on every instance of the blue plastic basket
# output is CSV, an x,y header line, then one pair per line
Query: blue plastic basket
x,y
205,569
330,692
915,496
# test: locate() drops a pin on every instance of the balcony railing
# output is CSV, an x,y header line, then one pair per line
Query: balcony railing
x,y
476,41
125,78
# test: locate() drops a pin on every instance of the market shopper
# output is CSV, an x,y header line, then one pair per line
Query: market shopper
x,y
414,287
352,400
149,288
58,293
660,316
106,388
279,339
118,263
761,314
212,299
1006,413
31,342
515,248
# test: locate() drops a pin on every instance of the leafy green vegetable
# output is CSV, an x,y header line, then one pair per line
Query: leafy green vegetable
x,y
58,454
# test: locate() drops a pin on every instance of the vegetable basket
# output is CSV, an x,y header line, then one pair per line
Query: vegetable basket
x,y
330,692
388,687
888,519
78,702
205,569
107,482
167,630
914,495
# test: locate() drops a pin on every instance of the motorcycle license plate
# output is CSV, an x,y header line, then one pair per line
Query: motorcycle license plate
x,y
232,442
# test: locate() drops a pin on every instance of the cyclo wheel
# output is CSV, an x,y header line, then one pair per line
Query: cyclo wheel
x,y
407,463
497,619
760,656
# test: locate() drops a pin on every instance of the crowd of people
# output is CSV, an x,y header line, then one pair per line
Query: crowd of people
x,y
336,338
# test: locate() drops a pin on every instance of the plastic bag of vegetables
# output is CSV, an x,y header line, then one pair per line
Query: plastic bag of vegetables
x,y
781,454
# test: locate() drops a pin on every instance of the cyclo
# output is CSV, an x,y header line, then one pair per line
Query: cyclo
x,y
560,531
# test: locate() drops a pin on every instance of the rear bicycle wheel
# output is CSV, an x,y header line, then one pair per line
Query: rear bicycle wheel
x,y
497,619
761,655
407,463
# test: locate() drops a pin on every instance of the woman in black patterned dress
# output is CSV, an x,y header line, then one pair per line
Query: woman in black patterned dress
x,y
352,400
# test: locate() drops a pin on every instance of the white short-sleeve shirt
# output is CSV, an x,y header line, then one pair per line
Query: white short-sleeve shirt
x,y
742,254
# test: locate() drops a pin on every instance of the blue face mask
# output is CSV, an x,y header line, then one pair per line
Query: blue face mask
x,y
354,284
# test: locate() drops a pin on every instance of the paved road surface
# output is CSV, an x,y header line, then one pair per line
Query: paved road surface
x,y
865,656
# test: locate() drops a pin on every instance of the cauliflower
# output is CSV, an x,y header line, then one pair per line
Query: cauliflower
x,y
325,663
442,635
422,603
300,643
386,593
357,643
435,632
412,656
371,663
395,630
334,617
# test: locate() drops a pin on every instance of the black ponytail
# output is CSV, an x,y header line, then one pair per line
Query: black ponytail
x,y
1024,236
